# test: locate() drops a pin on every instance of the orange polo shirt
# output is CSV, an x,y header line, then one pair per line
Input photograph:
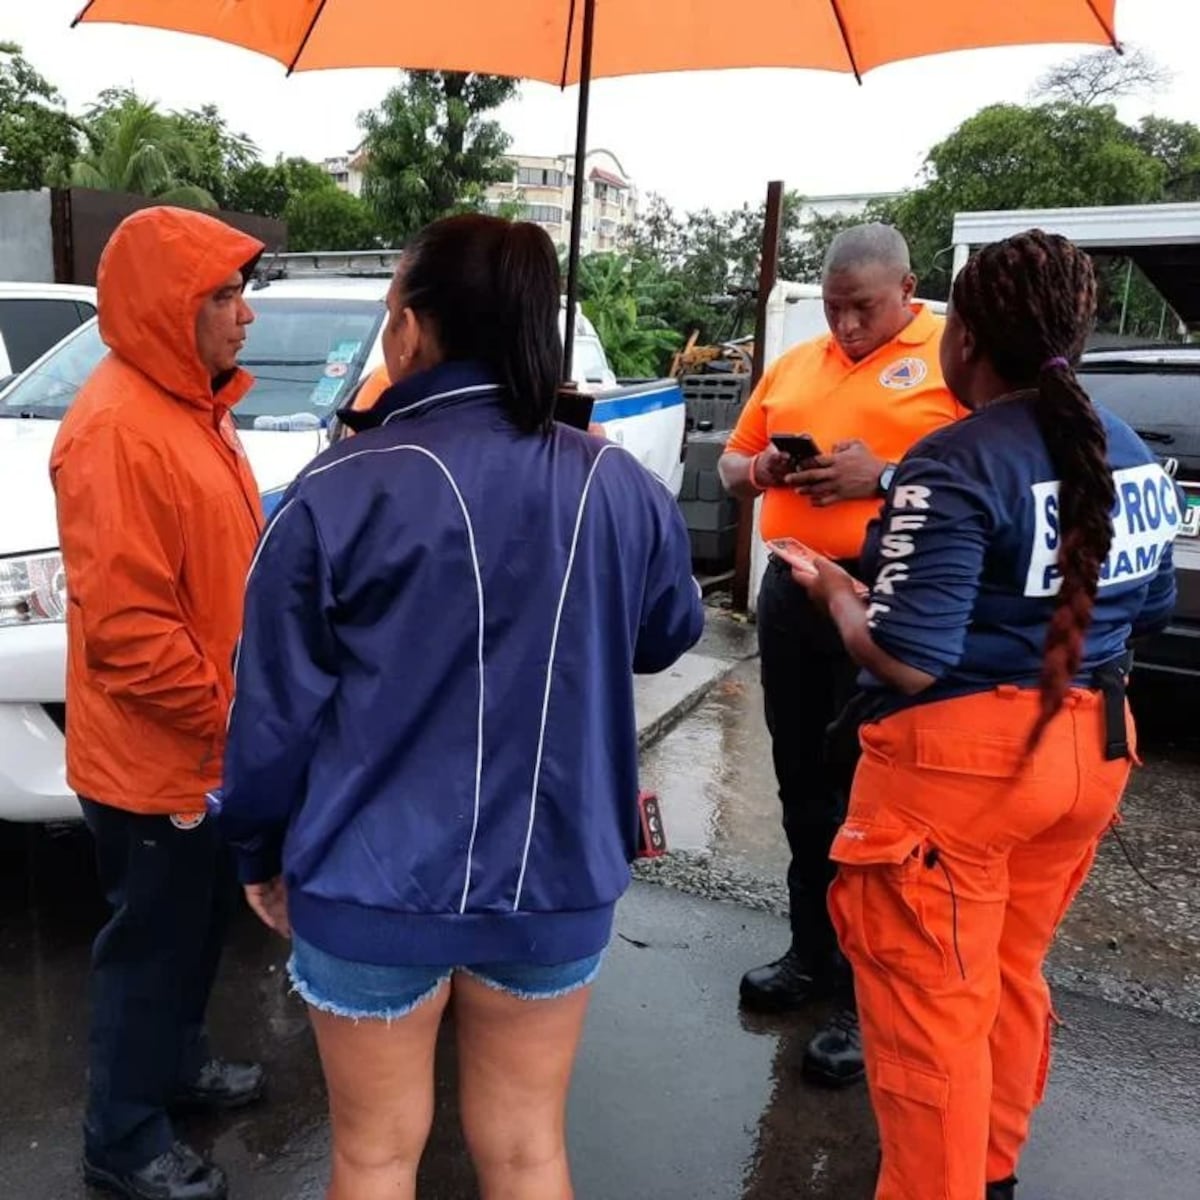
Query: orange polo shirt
x,y
890,400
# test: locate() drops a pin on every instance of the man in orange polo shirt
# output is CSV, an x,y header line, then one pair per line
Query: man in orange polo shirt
x,y
865,392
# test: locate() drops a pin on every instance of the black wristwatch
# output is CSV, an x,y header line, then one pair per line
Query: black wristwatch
x,y
885,479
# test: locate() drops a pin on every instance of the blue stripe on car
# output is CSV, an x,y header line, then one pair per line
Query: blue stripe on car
x,y
616,408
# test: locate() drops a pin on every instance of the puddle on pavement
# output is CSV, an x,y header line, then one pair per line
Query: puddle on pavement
x,y
714,777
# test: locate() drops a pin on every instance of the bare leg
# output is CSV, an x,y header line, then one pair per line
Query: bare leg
x,y
380,1080
515,1060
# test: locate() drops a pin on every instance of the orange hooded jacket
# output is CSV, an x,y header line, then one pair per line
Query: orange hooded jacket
x,y
158,516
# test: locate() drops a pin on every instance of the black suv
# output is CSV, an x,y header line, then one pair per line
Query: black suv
x,y
1157,391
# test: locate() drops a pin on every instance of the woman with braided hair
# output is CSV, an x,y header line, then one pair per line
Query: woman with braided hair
x,y
1021,550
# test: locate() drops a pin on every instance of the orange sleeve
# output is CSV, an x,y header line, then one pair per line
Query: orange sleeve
x,y
123,549
750,435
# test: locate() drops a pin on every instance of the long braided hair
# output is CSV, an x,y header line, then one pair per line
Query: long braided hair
x,y
1030,302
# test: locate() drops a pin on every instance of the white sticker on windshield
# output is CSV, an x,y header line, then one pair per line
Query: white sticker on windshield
x,y
327,391
343,352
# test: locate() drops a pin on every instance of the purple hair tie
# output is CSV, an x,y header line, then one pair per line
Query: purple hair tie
x,y
1056,363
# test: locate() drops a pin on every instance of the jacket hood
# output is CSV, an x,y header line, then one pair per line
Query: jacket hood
x,y
154,275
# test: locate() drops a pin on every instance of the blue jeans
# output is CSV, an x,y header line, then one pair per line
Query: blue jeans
x,y
368,991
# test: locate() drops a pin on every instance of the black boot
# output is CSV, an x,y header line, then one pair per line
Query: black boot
x,y
221,1085
1006,1189
783,985
834,1057
179,1174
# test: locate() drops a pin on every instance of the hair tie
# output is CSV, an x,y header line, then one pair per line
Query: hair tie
x,y
1056,363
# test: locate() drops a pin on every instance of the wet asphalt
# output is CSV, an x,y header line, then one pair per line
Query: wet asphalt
x,y
676,1095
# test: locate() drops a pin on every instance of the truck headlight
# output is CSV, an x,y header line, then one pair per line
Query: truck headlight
x,y
33,588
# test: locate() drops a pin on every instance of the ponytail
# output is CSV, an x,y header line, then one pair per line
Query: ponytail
x,y
491,289
1030,302
1079,451
528,284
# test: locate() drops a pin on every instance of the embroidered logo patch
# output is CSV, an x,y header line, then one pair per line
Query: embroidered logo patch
x,y
903,374
186,821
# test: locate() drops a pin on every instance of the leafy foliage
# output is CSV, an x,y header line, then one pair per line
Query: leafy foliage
x,y
328,219
134,147
431,148
38,138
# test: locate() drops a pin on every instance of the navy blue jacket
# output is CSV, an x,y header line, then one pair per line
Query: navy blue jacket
x,y
434,733
964,559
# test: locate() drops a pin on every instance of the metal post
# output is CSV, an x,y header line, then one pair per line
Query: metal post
x,y
1125,301
581,135
767,272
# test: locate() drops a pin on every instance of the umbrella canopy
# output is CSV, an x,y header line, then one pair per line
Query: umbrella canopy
x,y
574,41
543,39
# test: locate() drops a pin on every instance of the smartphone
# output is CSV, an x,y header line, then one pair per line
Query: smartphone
x,y
795,554
800,447
573,407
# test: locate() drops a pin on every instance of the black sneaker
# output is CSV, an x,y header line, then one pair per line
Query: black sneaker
x,y
782,986
179,1174
834,1057
1006,1189
222,1085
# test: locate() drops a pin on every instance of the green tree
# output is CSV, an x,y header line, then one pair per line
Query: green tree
x,y
134,147
218,153
431,148
329,219
613,291
1175,144
38,139
1008,157
266,189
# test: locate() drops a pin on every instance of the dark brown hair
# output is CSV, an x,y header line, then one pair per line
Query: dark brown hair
x,y
491,289
1030,302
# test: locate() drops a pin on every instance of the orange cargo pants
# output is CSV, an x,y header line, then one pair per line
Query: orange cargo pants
x,y
958,859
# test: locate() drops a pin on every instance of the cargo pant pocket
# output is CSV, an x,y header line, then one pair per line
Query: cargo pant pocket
x,y
911,1104
884,905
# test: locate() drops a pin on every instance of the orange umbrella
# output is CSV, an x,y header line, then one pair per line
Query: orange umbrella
x,y
573,41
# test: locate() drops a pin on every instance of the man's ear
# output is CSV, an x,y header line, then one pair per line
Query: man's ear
x,y
908,287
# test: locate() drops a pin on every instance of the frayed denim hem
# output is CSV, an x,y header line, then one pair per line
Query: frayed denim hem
x,y
388,1015
521,994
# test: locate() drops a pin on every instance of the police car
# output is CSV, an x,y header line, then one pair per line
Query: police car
x,y
314,337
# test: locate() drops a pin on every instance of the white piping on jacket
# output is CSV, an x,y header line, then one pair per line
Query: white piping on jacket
x,y
562,600
475,390
462,504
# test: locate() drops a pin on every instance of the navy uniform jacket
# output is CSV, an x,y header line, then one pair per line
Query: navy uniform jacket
x,y
964,557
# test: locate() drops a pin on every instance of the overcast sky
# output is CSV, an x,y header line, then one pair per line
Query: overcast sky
x,y
703,139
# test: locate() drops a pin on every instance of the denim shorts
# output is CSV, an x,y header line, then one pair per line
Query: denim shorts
x,y
367,991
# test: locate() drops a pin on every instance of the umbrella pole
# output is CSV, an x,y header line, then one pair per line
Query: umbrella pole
x,y
581,135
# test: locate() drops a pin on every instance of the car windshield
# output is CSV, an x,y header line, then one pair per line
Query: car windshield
x,y
306,356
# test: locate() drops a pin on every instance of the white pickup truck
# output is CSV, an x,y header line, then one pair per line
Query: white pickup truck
x,y
315,336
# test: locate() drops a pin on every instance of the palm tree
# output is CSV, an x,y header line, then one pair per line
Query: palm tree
x,y
135,148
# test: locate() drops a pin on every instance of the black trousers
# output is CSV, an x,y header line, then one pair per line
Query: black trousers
x,y
172,892
808,678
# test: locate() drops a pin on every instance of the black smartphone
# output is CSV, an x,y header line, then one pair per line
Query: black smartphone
x,y
573,407
800,447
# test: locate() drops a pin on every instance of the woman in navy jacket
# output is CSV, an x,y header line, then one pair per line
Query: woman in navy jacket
x,y
431,777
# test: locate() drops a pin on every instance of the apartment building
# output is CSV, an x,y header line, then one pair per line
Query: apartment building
x,y
540,189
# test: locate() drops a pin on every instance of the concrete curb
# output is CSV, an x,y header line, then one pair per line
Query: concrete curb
x,y
656,729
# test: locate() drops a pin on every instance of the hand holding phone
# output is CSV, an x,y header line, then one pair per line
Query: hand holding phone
x,y
803,560
799,447
796,554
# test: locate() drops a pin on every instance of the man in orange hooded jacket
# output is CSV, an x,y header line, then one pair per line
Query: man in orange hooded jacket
x,y
158,516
